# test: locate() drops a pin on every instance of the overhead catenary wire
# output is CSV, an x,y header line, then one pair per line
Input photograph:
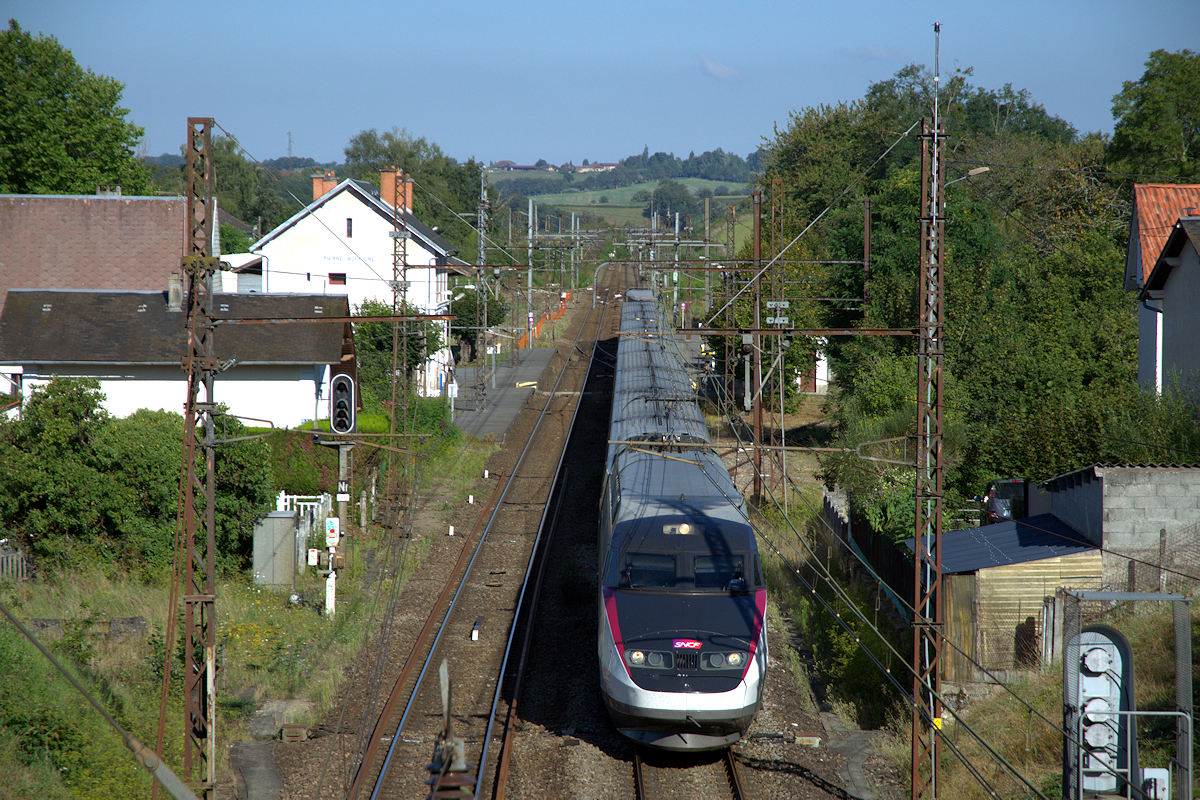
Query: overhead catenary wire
x,y
857,178
831,582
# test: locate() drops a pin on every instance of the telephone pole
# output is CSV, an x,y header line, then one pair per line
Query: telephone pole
x,y
756,346
481,292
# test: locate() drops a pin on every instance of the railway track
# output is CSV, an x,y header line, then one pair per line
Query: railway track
x,y
470,625
535,728
669,776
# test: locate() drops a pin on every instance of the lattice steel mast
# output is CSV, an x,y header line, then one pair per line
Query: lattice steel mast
x,y
199,540
927,550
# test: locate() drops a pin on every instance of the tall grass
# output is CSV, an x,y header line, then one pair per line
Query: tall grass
x,y
53,745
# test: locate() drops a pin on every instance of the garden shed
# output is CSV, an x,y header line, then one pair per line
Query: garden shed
x,y
995,580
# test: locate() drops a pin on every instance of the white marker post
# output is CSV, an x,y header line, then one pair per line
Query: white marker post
x,y
332,537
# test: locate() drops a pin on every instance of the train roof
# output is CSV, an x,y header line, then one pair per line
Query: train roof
x,y
652,393
694,475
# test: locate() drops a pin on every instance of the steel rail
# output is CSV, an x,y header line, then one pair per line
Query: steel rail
x,y
639,779
506,741
410,662
734,773
506,746
458,592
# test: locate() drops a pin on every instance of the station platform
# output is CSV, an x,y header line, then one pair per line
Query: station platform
x,y
505,395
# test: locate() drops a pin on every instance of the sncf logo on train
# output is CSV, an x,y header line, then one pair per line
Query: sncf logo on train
x,y
688,644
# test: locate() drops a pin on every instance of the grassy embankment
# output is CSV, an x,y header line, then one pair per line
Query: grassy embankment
x,y
52,744
861,694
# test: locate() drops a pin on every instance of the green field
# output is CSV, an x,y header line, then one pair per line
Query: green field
x,y
622,196
621,211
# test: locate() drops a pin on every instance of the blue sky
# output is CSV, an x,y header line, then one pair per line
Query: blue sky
x,y
565,81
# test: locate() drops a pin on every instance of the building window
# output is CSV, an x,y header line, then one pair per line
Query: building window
x,y
337,279
349,227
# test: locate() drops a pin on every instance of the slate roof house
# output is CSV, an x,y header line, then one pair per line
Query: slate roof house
x,y
341,244
995,579
132,342
1156,208
104,241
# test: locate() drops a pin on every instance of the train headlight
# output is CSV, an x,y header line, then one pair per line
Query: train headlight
x,y
733,660
648,659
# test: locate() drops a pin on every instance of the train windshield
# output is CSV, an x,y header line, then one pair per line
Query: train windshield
x,y
720,572
648,570
681,571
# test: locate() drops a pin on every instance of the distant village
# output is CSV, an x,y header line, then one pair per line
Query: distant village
x,y
542,166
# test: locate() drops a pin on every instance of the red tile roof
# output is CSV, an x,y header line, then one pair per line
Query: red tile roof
x,y
1157,206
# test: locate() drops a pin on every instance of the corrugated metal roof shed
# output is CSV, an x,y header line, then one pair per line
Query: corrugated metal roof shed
x,y
1010,542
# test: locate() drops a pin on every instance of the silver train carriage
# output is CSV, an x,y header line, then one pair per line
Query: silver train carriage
x,y
682,639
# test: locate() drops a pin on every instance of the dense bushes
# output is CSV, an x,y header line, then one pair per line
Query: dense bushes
x,y
78,485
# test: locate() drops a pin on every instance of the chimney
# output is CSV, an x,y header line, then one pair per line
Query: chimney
x,y
175,292
387,185
408,194
323,182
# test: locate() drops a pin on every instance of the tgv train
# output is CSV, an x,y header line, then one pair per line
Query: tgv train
x,y
682,637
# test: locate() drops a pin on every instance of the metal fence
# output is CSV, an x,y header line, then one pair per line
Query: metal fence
x,y
13,564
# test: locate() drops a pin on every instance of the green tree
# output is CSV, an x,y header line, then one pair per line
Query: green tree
x,y
233,240
62,129
247,191
465,309
78,485
373,349
1157,129
54,496
670,197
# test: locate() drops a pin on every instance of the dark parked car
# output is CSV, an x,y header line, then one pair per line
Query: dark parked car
x,y
1004,500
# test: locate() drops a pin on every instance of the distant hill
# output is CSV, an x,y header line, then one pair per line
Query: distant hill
x,y
713,165
165,160
173,160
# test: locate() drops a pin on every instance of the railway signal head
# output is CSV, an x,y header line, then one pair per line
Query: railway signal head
x,y
341,404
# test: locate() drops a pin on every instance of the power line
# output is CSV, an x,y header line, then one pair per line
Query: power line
x,y
144,755
840,593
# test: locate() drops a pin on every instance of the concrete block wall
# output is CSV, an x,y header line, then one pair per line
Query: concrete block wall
x,y
1138,504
